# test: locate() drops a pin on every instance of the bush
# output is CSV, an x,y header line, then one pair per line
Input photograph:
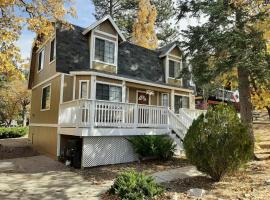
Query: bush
x,y
132,185
13,132
218,143
160,146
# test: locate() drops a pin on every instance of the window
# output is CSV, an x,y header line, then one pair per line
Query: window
x,y
41,60
46,98
165,100
83,93
174,69
108,92
104,51
180,102
52,52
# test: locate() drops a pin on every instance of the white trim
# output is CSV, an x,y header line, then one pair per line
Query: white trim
x,y
167,52
141,91
42,59
62,88
175,57
92,50
115,50
103,20
93,87
128,79
48,85
46,80
172,100
74,87
184,95
44,125
109,83
80,88
104,33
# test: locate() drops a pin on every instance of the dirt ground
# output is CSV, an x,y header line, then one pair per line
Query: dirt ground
x,y
248,184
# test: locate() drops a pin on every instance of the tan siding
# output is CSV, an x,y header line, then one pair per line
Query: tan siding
x,y
132,95
175,52
145,87
104,67
77,86
48,116
174,82
49,68
68,88
107,27
44,140
108,80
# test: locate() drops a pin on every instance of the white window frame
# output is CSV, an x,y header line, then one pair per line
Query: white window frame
x,y
43,59
112,84
48,85
141,91
162,99
174,60
54,58
80,88
115,50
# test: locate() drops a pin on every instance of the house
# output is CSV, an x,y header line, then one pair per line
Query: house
x,y
92,85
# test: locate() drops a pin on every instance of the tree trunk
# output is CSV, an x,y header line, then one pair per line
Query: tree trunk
x,y
268,110
245,101
24,116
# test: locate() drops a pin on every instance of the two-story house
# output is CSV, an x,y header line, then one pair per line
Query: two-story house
x,y
92,85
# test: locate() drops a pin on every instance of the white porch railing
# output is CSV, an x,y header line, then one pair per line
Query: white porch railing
x,y
96,113
193,113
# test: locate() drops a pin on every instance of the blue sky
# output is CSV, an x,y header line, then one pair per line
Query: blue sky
x,y
85,10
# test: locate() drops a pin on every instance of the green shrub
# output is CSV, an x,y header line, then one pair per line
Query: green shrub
x,y
218,143
13,132
132,185
159,146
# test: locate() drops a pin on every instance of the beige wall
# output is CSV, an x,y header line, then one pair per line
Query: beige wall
x,y
68,88
49,69
176,52
48,116
44,140
107,27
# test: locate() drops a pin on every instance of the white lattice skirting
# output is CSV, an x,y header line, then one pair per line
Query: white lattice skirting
x,y
106,150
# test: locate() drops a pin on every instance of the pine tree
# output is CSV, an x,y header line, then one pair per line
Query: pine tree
x,y
228,40
144,28
124,14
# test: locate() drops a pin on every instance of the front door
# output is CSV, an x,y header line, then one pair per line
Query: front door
x,y
142,98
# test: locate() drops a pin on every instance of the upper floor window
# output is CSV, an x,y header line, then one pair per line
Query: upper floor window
x,y
104,51
52,52
174,69
108,92
46,98
41,60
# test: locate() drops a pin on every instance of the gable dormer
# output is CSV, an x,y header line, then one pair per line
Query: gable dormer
x,y
173,64
104,37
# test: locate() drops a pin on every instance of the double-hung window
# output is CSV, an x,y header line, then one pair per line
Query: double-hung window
x,y
46,98
41,60
52,52
174,69
165,99
108,92
104,51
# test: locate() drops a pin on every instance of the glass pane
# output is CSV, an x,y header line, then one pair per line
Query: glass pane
x,y
165,100
115,93
177,69
83,90
52,53
177,103
185,102
45,103
171,69
109,52
99,49
102,92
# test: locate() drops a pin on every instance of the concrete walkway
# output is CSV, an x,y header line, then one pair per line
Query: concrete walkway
x,y
173,174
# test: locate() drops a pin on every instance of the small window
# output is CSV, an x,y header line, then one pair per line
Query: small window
x,y
41,60
108,92
46,98
165,100
180,102
104,51
52,52
174,69
83,90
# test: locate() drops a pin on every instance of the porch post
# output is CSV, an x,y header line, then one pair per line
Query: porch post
x,y
93,88
172,100
124,89
92,102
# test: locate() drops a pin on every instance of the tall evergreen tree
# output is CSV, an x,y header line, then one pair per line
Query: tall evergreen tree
x,y
124,14
144,27
228,40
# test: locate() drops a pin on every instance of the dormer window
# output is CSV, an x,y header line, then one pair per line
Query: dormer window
x,y
174,69
105,51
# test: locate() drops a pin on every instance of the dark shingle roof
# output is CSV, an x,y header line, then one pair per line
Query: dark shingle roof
x,y
139,62
72,49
